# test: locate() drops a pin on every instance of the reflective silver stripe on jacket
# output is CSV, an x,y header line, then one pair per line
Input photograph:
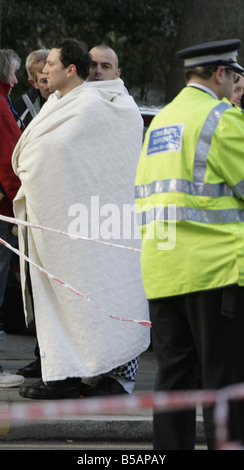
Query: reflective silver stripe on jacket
x,y
183,186
239,189
204,141
34,108
195,188
187,213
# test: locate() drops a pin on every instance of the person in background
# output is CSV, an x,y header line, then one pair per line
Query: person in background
x,y
238,90
29,104
105,64
9,182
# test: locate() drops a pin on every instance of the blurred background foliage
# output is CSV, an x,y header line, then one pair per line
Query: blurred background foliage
x,y
140,31
144,33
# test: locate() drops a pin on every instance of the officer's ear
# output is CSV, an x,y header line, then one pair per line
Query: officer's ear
x,y
220,75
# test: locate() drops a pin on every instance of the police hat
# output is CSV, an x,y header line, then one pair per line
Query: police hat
x,y
212,53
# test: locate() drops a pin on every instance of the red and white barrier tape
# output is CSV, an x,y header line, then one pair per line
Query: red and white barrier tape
x,y
105,405
233,392
63,283
70,235
158,401
72,289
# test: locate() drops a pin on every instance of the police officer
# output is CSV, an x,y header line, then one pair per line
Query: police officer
x,y
190,203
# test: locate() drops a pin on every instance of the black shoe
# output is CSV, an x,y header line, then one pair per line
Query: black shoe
x,y
106,386
31,370
69,388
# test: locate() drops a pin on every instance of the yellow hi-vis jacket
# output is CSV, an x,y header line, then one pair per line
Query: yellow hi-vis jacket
x,y
190,196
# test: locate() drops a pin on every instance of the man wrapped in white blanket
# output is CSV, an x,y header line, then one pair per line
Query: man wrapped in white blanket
x,y
76,162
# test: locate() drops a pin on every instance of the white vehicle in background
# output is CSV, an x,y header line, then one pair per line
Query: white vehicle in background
x,y
148,113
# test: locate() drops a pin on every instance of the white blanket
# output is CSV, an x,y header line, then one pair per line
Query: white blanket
x,y
75,159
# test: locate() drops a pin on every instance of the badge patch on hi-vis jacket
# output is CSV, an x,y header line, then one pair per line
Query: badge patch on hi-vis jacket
x,y
166,139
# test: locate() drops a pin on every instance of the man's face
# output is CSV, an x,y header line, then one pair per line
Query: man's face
x,y
55,72
104,65
41,84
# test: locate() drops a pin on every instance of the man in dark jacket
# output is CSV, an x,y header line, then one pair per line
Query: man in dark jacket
x,y
29,104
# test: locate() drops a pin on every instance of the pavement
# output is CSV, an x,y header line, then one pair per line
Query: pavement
x,y
17,350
